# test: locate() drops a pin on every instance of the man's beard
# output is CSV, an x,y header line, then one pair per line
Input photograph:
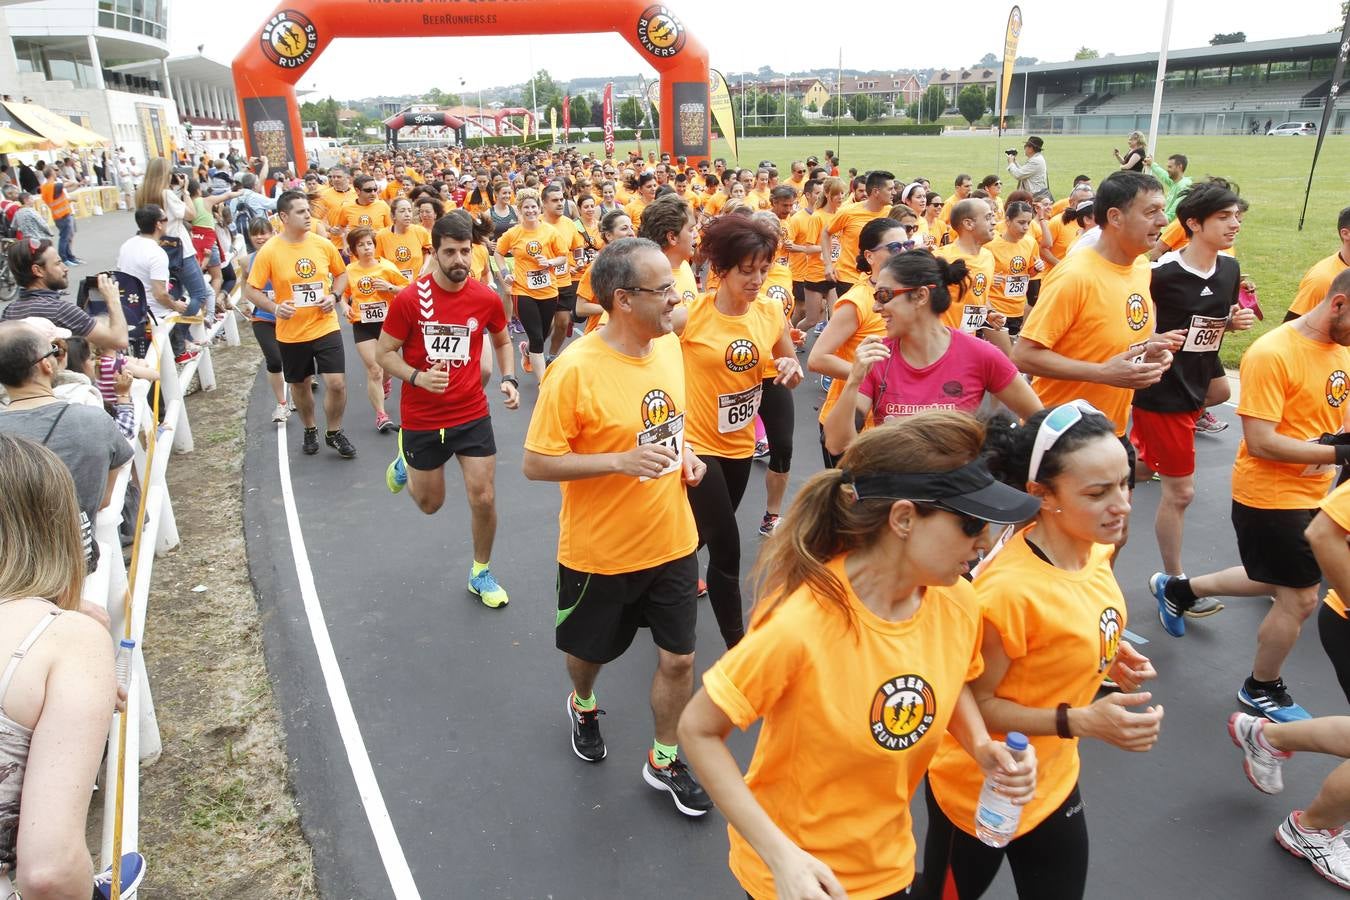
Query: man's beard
x,y
56,282
456,274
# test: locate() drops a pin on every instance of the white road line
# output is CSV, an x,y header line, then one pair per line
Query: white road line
x,y
391,851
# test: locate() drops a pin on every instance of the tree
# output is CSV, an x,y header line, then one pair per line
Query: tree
x,y
795,116
1086,52
863,107
971,103
988,60
438,97
811,107
767,105
835,107
630,113
546,90
933,104
1026,60
1234,37
912,111
581,112
990,95
325,113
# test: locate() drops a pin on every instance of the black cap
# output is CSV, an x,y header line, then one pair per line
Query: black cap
x,y
1035,142
971,489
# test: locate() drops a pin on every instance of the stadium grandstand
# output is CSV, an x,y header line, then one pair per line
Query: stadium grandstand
x,y
1223,89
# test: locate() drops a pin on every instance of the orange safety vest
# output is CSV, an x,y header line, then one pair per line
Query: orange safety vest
x,y
59,206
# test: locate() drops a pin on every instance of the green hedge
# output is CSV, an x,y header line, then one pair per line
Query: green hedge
x,y
849,128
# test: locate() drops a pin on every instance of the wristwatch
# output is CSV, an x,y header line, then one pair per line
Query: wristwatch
x,y
511,380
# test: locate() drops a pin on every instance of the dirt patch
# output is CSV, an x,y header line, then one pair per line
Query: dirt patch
x,y
218,817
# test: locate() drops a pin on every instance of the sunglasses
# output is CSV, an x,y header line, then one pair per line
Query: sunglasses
x,y
56,350
900,246
881,296
970,526
1054,426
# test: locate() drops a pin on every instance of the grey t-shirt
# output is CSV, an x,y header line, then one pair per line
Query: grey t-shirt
x,y
85,439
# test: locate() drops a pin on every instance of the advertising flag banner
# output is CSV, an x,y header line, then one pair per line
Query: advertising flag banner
x,y
553,123
1337,74
720,101
567,117
1009,60
608,120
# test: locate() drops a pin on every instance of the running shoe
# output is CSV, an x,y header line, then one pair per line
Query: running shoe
x,y
338,441
186,356
388,386
702,589
820,327
383,424
281,413
1173,620
396,476
825,382
1208,423
73,261
587,743
1260,761
1204,606
1273,703
133,870
1326,850
761,449
516,327
767,524
524,348
680,783
486,588
310,442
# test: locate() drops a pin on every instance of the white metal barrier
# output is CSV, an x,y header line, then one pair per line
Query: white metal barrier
x,y
107,586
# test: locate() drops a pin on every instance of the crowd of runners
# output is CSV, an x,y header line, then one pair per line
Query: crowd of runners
x,y
994,370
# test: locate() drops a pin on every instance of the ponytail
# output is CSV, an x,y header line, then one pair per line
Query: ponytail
x,y
806,539
920,268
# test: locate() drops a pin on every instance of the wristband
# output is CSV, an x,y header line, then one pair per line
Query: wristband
x,y
510,379
1342,454
412,379
1062,721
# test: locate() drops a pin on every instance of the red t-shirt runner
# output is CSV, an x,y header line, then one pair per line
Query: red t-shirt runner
x,y
437,326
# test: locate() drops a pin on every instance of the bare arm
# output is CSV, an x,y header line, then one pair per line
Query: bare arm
x,y
1032,358
842,326
570,466
1020,398
1265,442
825,254
1328,541
841,425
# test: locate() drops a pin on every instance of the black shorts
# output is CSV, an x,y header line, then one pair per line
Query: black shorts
x,y
426,451
1273,548
1014,325
799,289
366,331
303,359
567,298
598,615
265,333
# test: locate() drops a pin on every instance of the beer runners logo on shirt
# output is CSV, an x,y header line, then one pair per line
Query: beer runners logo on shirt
x,y
979,284
660,32
657,408
1019,264
305,268
289,39
742,355
902,712
402,254
781,294
1108,635
1136,312
534,248
363,221
1337,387
365,284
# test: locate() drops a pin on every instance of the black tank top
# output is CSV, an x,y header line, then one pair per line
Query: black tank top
x,y
502,224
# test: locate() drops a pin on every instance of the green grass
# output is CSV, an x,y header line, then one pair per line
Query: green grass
x,y
1272,173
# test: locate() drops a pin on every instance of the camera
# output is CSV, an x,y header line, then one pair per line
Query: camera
x,y
1010,152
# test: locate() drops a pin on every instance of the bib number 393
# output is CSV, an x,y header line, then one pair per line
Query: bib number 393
x,y
735,411
538,279
446,343
1205,334
669,433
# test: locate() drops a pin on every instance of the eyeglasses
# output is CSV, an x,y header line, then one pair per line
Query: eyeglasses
x,y
881,296
56,350
1058,421
970,526
936,205
664,291
899,246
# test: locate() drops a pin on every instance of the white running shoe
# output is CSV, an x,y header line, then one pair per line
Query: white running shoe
x,y
1261,762
281,413
1326,850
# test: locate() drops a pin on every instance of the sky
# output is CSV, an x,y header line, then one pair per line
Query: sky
x,y
740,37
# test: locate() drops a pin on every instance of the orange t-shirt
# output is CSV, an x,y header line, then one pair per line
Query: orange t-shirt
x,y
971,303
303,273
374,215
1302,386
758,200
1062,236
1174,235
713,205
1061,643
870,324
847,225
406,251
804,228
685,282
573,247
634,208
542,242
329,202
1091,310
722,359
366,303
480,264
1316,282
596,400
777,289
1014,263
854,707
1337,507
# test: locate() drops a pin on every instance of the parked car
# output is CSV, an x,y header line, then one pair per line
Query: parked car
x,y
1293,129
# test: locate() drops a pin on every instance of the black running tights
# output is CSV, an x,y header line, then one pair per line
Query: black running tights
x,y
775,411
1334,630
537,317
714,502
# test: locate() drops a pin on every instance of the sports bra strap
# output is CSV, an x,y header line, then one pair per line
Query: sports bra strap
x,y
22,650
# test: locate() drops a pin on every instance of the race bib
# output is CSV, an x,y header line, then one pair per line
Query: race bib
x,y
446,343
307,293
561,269
735,411
374,313
1138,352
835,248
406,273
538,279
1016,286
669,433
972,318
1204,335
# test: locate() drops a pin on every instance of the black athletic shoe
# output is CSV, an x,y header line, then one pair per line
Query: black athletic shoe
x,y
680,783
338,441
587,743
310,442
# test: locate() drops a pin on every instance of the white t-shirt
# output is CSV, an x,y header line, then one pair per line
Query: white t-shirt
x,y
144,258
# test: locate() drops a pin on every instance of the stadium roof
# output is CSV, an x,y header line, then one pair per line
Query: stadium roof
x,y
1223,54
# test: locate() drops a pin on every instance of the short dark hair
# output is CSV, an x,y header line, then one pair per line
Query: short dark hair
x,y
288,199
1180,159
360,181
960,178
781,192
646,178
1343,220
1081,179
1118,190
1202,201
920,268
665,215
877,178
614,268
356,235
729,241
20,347
147,217
23,256
456,228
553,187
870,238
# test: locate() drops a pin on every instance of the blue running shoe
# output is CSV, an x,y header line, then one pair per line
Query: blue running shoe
x,y
1173,620
488,590
1274,702
133,870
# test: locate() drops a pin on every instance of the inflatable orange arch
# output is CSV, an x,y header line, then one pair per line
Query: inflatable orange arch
x,y
292,37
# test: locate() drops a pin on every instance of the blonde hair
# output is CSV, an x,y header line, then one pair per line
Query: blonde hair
x,y
41,549
528,194
157,173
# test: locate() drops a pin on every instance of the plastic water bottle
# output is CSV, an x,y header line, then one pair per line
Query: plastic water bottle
x,y
125,649
996,817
